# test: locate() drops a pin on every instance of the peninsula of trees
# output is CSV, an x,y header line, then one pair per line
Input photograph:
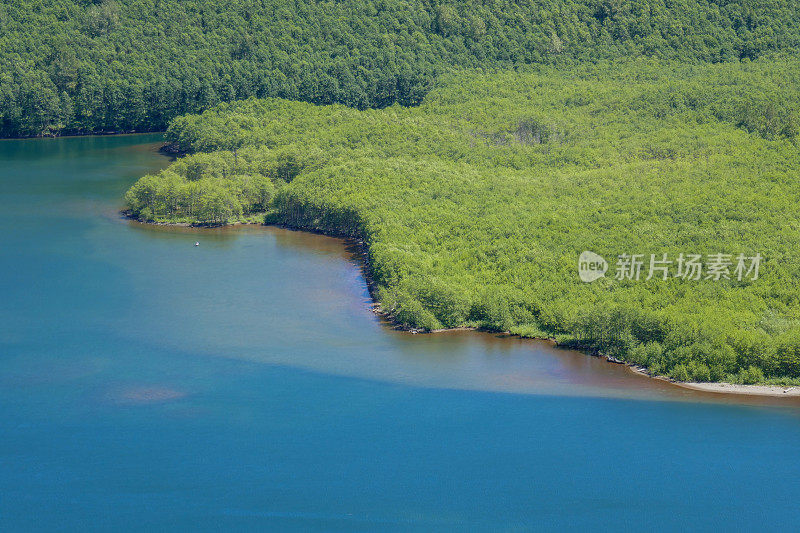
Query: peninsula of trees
x,y
475,205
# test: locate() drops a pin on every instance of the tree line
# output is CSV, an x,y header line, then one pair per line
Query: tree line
x,y
101,66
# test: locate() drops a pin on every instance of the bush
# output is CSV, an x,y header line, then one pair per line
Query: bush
x,y
750,376
410,313
698,372
680,373
787,354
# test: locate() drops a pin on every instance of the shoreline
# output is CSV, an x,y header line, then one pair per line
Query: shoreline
x,y
93,134
776,391
722,387
359,252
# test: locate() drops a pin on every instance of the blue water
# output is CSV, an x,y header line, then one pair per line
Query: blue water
x,y
146,383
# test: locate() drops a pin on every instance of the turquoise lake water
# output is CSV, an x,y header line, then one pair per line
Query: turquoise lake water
x,y
244,384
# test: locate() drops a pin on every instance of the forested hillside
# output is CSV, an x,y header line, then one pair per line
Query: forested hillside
x,y
476,205
81,66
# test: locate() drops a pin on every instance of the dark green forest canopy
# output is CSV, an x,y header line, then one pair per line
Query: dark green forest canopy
x,y
476,204
81,66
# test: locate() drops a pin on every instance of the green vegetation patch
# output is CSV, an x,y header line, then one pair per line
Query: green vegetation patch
x,y
476,205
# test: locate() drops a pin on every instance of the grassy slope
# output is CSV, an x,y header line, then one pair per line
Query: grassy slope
x,y
476,205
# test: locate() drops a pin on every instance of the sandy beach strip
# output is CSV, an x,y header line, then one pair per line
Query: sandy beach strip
x,y
732,388
728,388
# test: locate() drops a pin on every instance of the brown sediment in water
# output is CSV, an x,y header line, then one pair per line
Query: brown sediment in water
x,y
584,370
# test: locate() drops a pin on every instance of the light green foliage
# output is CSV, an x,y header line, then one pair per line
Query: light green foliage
x,y
476,204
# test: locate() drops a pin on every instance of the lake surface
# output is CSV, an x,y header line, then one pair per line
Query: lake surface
x,y
245,384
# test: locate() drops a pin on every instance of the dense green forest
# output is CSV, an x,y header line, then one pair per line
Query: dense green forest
x,y
81,66
475,205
